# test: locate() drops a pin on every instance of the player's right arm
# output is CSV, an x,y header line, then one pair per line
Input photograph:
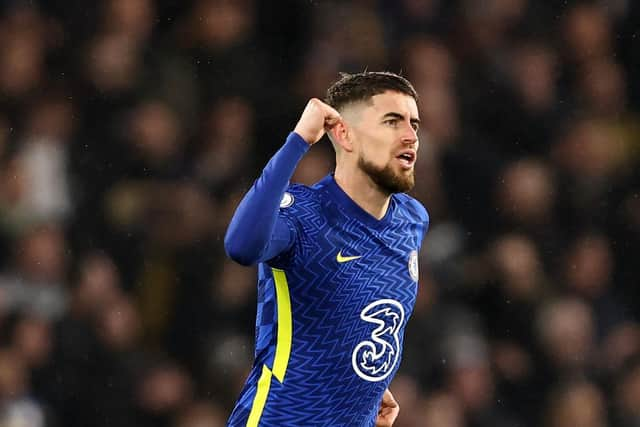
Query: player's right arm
x,y
256,232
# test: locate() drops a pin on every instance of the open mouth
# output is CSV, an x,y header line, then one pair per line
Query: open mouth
x,y
407,159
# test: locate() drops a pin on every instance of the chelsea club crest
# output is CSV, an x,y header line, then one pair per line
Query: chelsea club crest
x,y
287,200
413,265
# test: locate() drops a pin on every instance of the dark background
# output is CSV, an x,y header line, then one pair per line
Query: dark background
x,y
129,129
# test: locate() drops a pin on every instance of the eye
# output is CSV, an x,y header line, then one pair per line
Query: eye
x,y
391,122
415,126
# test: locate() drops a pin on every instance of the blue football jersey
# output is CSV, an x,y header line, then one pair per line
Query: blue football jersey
x,y
332,311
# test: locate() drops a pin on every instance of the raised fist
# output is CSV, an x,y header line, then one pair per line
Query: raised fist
x,y
315,120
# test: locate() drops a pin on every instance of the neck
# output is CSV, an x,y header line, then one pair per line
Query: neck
x,y
363,191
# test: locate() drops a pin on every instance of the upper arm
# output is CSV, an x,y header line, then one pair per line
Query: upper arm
x,y
242,248
282,239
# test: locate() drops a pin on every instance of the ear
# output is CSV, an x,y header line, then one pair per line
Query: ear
x,y
340,135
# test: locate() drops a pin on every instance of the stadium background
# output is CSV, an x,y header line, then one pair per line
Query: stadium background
x,y
130,128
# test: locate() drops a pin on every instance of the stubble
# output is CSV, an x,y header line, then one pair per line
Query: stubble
x,y
386,178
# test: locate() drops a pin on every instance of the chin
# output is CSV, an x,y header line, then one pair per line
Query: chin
x,y
405,184
388,180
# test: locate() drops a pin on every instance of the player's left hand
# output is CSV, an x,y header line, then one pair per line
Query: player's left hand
x,y
389,410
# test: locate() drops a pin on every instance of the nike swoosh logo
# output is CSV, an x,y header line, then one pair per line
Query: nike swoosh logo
x,y
341,258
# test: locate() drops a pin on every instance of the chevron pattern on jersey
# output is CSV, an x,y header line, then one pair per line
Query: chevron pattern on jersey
x,y
321,387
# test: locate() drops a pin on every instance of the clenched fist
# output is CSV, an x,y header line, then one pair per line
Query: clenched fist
x,y
316,119
389,410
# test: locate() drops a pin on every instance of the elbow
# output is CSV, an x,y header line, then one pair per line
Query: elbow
x,y
237,252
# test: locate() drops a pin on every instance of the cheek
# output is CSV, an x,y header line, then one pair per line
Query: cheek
x,y
375,152
375,156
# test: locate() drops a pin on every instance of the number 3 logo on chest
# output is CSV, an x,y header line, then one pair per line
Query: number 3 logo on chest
x,y
375,358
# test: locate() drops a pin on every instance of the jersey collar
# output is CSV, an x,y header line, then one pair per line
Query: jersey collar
x,y
338,195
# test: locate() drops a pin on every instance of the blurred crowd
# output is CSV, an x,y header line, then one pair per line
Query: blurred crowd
x,y
129,129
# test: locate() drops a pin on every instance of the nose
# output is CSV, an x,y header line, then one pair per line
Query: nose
x,y
410,135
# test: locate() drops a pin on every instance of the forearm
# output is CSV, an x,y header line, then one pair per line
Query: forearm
x,y
254,234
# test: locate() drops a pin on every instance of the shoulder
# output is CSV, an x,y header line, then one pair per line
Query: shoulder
x,y
412,207
297,196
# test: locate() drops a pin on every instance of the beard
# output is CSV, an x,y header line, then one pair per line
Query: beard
x,y
386,178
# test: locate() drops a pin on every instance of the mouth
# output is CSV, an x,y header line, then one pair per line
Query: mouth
x,y
407,159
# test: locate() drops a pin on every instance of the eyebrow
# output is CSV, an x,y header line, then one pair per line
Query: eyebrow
x,y
393,115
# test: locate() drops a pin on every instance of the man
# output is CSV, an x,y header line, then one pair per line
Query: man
x,y
338,261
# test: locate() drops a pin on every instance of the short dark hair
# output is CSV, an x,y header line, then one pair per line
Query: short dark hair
x,y
361,87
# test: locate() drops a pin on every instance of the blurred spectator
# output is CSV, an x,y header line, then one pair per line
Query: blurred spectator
x,y
315,166
355,46
221,39
627,395
35,281
533,71
590,162
16,405
40,174
25,39
162,392
97,285
576,403
619,347
32,341
225,146
470,381
566,332
407,390
589,274
409,17
526,201
113,64
441,409
228,347
201,414
587,32
131,19
602,88
526,194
